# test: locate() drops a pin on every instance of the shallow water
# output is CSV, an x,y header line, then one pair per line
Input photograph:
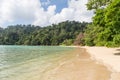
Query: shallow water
x,y
29,62
79,66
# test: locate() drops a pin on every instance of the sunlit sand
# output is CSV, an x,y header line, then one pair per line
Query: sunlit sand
x,y
79,67
110,57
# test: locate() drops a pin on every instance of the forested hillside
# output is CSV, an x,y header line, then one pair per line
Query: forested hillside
x,y
64,33
105,28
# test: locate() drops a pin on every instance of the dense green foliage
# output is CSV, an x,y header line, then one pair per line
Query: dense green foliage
x,y
64,33
96,4
105,29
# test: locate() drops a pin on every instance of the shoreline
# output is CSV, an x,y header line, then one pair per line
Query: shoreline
x,y
107,57
71,65
79,65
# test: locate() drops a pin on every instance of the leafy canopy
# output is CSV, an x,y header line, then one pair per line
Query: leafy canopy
x,y
107,22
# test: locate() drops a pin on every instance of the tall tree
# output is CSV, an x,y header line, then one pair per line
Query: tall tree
x,y
107,22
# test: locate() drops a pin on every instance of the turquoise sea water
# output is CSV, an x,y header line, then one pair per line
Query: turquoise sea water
x,y
29,62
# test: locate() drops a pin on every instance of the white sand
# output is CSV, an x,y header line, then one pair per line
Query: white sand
x,y
106,56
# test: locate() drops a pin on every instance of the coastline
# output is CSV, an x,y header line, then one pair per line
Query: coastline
x,y
75,64
78,65
107,57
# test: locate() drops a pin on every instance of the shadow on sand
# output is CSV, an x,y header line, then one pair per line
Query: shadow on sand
x,y
118,53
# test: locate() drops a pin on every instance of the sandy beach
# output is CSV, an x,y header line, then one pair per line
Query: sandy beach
x,y
79,66
110,57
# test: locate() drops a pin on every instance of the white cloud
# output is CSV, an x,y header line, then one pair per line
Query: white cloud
x,y
18,10
5,12
76,11
42,17
31,11
65,14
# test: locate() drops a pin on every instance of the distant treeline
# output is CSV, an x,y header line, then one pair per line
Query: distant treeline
x,y
65,33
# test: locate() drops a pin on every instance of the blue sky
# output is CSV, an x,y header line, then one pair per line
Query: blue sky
x,y
60,4
42,12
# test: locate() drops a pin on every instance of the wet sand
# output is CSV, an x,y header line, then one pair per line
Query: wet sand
x,y
78,66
